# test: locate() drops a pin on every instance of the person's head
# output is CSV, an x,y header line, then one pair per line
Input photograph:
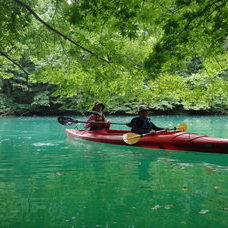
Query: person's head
x,y
143,111
98,106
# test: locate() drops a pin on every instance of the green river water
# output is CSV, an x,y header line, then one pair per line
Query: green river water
x,y
50,180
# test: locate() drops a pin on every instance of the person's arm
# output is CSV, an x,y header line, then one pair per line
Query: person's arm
x,y
91,118
155,128
132,123
107,123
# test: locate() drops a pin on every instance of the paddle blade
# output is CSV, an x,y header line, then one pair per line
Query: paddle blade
x,y
131,138
66,120
182,127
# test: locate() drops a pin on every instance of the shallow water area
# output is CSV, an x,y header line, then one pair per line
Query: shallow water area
x,y
50,180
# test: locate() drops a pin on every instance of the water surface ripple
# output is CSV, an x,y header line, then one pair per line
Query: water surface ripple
x,y
49,180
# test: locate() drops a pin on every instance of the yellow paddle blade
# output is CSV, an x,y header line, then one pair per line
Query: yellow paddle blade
x,y
131,138
182,127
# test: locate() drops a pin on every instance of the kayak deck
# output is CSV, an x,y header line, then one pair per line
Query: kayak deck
x,y
176,140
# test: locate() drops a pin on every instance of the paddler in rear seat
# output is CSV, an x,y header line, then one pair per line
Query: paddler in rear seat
x,y
142,123
97,116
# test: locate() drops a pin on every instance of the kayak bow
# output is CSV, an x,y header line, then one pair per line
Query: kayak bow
x,y
176,140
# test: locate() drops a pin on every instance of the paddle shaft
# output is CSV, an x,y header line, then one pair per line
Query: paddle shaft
x,y
138,136
153,132
150,133
78,121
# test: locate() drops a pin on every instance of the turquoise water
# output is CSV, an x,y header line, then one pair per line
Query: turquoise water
x,y
49,180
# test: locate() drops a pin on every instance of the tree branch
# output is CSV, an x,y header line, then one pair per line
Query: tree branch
x,y
210,13
14,62
204,11
56,31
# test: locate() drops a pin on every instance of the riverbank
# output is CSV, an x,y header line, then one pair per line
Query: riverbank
x,y
119,113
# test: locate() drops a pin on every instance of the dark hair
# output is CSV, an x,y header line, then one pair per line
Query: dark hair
x,y
96,104
143,108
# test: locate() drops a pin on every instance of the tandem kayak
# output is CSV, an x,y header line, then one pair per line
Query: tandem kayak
x,y
176,140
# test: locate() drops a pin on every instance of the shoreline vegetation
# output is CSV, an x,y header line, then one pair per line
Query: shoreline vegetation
x,y
194,94
19,97
119,113
58,58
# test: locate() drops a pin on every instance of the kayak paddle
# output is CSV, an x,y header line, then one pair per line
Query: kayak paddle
x,y
68,121
132,138
181,127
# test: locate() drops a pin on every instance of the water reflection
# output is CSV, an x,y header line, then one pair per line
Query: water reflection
x,y
50,180
157,181
144,154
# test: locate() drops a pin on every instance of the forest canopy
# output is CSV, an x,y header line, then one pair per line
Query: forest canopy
x,y
168,54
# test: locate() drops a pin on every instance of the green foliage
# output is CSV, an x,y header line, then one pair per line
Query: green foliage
x,y
4,104
206,93
164,93
13,19
41,99
170,55
198,28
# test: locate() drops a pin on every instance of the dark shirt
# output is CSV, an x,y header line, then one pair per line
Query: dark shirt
x,y
141,125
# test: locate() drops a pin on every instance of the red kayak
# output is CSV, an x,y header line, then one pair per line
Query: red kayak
x,y
177,140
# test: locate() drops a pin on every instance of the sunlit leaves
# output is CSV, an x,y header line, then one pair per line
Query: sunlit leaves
x,y
140,40
41,99
206,92
193,31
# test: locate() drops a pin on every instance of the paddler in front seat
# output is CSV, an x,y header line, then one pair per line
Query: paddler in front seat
x,y
142,123
97,116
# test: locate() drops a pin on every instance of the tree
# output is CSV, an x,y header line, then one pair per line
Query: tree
x,y
112,50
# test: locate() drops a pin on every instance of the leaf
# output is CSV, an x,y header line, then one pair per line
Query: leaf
x,y
211,170
169,206
204,211
185,188
156,207
60,173
217,187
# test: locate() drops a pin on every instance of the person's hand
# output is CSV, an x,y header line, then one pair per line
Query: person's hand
x,y
107,121
92,122
152,132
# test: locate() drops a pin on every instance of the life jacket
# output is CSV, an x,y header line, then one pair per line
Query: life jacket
x,y
99,117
